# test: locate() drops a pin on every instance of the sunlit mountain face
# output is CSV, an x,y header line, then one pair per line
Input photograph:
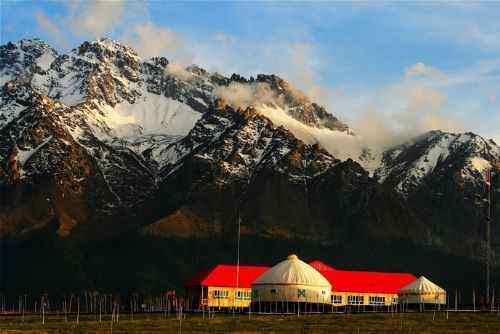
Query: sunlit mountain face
x,y
98,143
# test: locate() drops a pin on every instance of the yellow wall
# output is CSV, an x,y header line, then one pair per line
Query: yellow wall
x,y
230,300
388,297
424,298
310,294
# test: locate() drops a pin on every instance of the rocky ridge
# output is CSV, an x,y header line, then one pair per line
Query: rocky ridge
x,y
98,141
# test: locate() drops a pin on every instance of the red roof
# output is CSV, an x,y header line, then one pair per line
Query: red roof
x,y
341,280
224,275
320,265
363,281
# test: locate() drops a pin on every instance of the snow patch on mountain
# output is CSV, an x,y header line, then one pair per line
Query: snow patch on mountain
x,y
480,164
69,90
370,158
24,155
434,154
45,60
341,145
407,166
154,114
9,112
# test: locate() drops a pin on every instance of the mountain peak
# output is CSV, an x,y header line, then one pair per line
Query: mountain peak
x,y
97,141
410,165
26,43
106,48
23,58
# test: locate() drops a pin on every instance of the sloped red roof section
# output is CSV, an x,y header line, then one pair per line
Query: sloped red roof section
x,y
224,275
320,265
363,281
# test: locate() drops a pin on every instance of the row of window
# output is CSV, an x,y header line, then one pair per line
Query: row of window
x,y
220,293
243,295
225,294
336,299
376,300
355,300
360,300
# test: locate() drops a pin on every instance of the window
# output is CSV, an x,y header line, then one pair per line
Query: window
x,y
336,299
355,300
376,300
394,300
273,291
301,293
243,295
221,293
255,293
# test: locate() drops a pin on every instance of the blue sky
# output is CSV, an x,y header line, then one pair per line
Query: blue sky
x,y
415,65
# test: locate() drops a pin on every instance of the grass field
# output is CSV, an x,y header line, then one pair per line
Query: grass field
x,y
223,323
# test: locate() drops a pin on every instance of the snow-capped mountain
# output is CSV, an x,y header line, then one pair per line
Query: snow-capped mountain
x,y
411,165
101,118
24,59
121,98
99,140
442,177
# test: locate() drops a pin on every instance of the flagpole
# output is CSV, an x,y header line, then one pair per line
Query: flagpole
x,y
238,253
488,234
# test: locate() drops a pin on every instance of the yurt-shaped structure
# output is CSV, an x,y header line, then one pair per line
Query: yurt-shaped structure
x,y
291,286
422,291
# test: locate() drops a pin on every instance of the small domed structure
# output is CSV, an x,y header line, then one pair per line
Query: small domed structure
x,y
291,280
422,291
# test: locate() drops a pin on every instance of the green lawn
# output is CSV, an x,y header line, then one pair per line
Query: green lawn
x,y
223,323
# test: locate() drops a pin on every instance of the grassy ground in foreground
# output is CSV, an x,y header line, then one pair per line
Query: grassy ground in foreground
x,y
224,323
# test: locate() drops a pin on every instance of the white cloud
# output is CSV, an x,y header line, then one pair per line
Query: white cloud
x,y
421,70
469,24
178,71
398,112
52,29
95,18
245,95
340,144
304,70
150,40
485,71
90,19
99,18
383,114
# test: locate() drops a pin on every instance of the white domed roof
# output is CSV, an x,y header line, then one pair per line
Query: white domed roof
x,y
421,285
294,272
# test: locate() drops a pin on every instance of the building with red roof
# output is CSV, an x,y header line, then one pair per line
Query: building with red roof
x,y
353,287
223,286
220,288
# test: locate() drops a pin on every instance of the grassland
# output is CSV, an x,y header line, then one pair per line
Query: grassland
x,y
223,323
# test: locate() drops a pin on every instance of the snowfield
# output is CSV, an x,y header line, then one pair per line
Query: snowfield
x,y
341,145
154,114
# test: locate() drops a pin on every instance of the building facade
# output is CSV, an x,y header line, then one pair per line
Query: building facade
x,y
363,288
223,287
290,283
